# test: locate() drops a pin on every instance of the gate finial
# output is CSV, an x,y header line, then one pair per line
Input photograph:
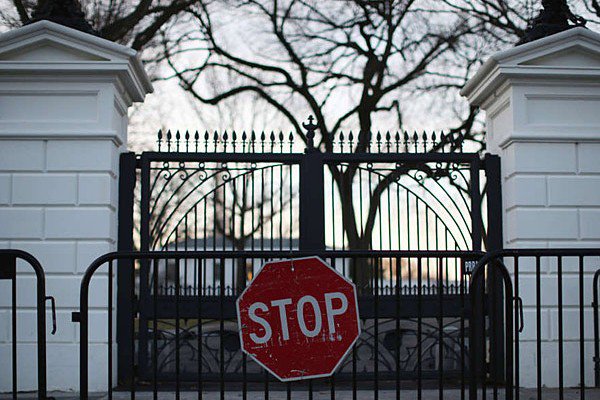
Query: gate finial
x,y
310,134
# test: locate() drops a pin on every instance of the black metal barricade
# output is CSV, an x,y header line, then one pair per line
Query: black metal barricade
x,y
547,318
194,345
8,271
490,280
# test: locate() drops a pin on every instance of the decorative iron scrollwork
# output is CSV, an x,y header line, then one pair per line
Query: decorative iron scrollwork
x,y
391,348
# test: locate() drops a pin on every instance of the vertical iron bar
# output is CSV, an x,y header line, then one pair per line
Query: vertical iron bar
x,y
291,207
360,198
484,337
516,329
333,263
214,228
462,330
185,248
595,306
272,201
312,212
14,335
477,319
131,322
261,213
397,312
144,268
196,263
494,242
427,248
560,331
410,279
492,332
110,329
418,226
581,331
221,330
389,224
354,383
509,303
370,189
155,329
224,222
333,214
177,328
476,221
83,340
441,331
281,207
41,328
332,388
538,323
376,266
244,359
127,180
202,266
419,329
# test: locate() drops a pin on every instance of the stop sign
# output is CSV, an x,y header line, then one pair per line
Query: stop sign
x,y
298,318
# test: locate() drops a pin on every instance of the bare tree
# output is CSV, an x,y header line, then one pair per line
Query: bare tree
x,y
347,62
528,20
133,23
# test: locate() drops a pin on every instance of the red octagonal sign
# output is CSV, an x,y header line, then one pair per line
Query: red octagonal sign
x,y
298,318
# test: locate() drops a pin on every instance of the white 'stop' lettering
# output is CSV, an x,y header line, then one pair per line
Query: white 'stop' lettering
x,y
336,304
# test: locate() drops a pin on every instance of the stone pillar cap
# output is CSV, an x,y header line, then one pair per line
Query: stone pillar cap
x,y
25,51
573,54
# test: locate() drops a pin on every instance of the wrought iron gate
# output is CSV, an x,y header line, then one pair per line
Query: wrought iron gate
x,y
256,193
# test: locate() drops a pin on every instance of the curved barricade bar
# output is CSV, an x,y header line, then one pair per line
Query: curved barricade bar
x,y
8,267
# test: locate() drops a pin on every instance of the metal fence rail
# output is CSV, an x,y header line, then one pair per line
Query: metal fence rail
x,y
551,317
417,344
417,341
8,271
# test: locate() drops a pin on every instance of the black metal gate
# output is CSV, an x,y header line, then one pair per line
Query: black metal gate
x,y
252,193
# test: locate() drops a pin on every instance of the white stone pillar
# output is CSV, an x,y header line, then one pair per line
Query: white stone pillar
x,y
64,97
542,104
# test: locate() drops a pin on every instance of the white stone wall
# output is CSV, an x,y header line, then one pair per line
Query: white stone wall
x,y
542,103
64,97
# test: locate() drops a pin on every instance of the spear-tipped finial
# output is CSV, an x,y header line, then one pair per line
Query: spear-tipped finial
x,y
553,18
63,12
310,134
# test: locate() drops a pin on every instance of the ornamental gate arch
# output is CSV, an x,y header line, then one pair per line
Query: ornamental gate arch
x,y
255,193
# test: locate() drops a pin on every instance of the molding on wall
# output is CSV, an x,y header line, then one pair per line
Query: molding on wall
x,y
540,60
81,53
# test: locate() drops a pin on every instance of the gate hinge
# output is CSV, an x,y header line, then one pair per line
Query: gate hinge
x,y
75,316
